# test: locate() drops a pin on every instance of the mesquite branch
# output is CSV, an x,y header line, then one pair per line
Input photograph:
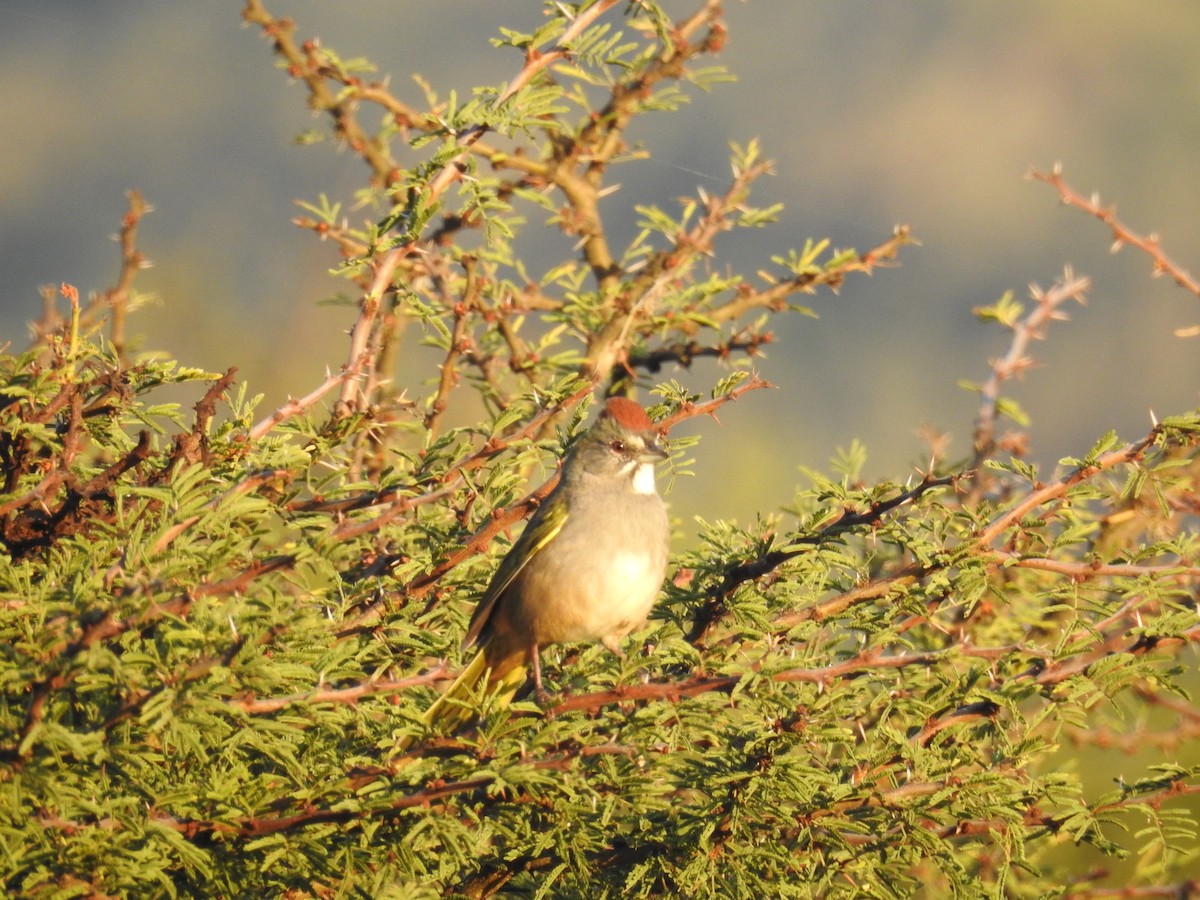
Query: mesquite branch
x,y
1151,244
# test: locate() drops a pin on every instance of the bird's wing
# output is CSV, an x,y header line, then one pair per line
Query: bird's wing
x,y
542,529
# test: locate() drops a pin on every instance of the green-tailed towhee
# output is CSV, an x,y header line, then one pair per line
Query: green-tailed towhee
x,y
587,567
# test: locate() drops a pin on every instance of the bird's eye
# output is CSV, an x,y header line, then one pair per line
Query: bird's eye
x,y
617,446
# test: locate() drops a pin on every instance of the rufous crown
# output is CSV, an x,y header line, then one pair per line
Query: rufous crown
x,y
627,414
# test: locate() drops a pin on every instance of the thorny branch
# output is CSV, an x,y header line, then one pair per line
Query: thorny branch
x,y
1016,361
577,167
714,606
1044,494
304,63
1040,666
1151,244
132,261
981,544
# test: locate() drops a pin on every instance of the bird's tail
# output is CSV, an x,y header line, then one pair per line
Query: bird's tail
x,y
456,707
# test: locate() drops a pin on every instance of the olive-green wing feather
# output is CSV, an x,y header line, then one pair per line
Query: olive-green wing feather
x,y
453,709
542,529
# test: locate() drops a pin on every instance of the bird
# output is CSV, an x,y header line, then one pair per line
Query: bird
x,y
587,567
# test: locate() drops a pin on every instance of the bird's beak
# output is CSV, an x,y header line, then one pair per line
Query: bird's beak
x,y
654,451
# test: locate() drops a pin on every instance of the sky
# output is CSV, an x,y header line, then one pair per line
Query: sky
x,y
875,114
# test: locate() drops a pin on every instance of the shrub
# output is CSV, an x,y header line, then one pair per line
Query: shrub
x,y
220,629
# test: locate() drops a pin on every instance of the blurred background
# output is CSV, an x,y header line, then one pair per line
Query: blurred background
x,y
928,114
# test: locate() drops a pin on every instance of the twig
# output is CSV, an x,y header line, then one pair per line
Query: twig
x,y
1046,493
1016,360
535,61
459,343
132,261
1087,570
297,406
305,63
351,694
713,607
1180,891
695,685
1151,245
776,296
686,352
710,407
360,334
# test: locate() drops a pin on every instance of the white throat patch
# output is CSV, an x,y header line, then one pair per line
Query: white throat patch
x,y
643,478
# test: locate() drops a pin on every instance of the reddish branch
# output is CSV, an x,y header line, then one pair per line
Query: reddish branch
x,y
115,300
580,163
301,405
132,261
1043,494
350,694
1153,796
1151,245
307,63
535,62
981,545
1016,361
714,606
676,690
1087,569
459,344
361,356
1183,732
776,296
260,826
577,168
1180,891
1040,665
